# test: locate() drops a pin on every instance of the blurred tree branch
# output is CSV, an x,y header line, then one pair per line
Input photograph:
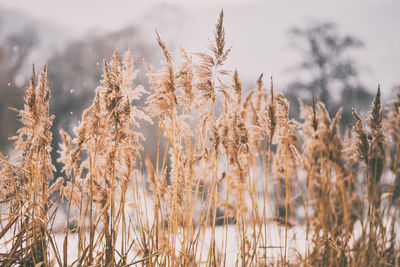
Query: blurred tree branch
x,y
330,68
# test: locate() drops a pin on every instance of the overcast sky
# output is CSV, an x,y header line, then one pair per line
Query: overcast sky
x,y
256,29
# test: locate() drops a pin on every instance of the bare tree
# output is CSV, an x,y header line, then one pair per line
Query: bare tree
x,y
330,67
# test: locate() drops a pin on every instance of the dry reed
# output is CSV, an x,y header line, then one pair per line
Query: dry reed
x,y
225,179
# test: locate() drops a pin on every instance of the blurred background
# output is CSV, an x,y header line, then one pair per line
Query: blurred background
x,y
337,50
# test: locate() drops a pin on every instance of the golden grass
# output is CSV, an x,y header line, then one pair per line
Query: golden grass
x,y
224,174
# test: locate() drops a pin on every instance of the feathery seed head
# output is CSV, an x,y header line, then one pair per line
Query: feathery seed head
x,y
237,86
361,144
375,119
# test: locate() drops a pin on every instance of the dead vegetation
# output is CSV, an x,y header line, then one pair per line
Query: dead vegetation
x,y
231,171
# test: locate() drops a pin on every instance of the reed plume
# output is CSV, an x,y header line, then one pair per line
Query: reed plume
x,y
235,180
